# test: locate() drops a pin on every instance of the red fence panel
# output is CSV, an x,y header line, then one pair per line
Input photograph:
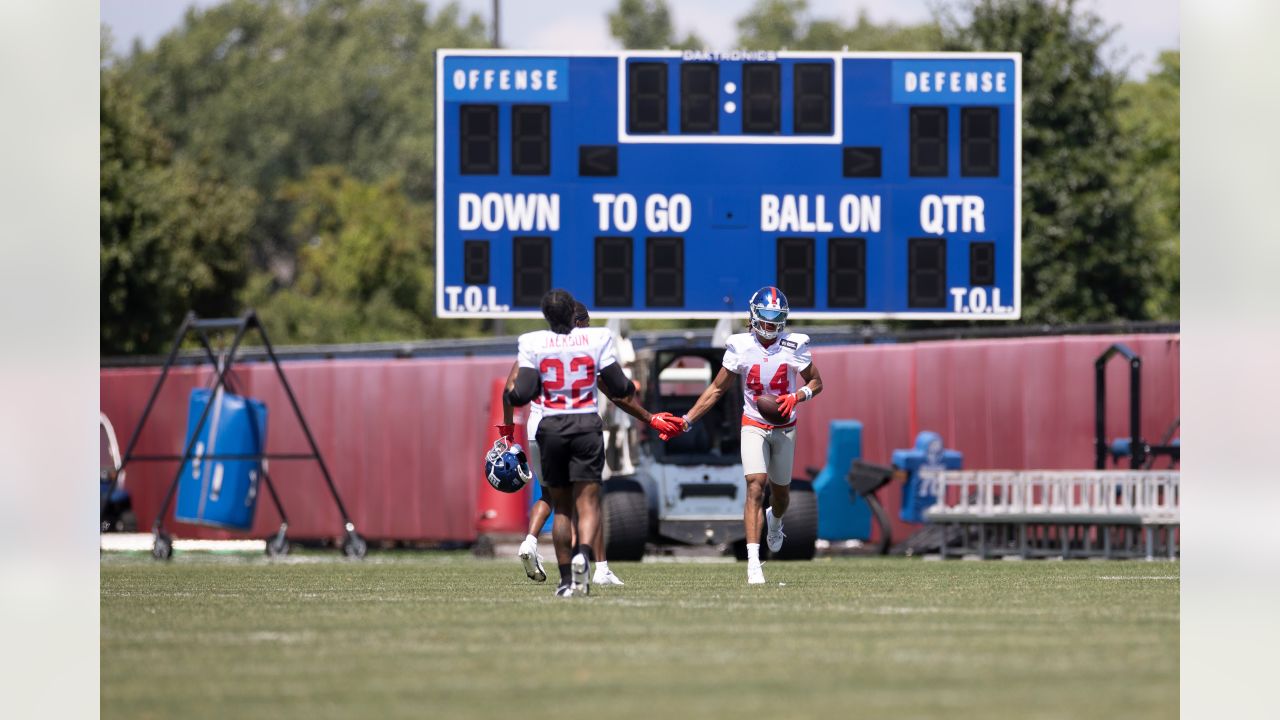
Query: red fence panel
x,y
405,439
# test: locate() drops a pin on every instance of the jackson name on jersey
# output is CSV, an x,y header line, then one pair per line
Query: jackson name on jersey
x,y
773,370
567,366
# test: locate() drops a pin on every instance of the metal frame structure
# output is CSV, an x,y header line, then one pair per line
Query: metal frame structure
x,y
1140,452
864,480
162,548
1060,513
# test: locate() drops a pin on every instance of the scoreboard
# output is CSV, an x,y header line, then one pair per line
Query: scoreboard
x,y
673,184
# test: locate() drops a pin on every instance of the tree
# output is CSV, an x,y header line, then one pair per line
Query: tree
x,y
172,239
646,24
1149,117
261,91
777,24
1083,257
363,267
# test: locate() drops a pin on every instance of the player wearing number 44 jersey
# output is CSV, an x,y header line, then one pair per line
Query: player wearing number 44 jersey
x,y
563,365
776,363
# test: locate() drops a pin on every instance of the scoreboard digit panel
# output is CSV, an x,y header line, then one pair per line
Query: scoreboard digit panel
x,y
673,184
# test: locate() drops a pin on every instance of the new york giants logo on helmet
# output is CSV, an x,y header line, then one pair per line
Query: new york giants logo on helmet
x,y
506,467
768,312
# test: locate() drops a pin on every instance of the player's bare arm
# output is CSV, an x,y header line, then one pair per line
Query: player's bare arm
x,y
709,397
619,388
812,381
628,404
508,410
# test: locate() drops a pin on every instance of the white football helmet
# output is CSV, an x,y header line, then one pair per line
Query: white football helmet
x,y
768,312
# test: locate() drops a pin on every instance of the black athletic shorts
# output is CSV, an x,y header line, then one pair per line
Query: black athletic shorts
x,y
572,448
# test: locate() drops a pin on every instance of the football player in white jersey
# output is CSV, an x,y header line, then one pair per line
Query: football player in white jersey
x,y
562,364
541,509
770,362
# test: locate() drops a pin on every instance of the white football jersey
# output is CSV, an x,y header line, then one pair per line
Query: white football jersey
x,y
773,370
568,365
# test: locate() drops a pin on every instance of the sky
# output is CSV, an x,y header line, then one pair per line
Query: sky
x,y
1144,27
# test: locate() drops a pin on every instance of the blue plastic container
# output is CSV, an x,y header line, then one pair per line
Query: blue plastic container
x,y
222,493
841,515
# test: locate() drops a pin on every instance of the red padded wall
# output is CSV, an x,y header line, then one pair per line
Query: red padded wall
x,y
405,439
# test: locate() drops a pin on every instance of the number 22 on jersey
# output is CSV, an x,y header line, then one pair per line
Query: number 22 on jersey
x,y
554,377
780,384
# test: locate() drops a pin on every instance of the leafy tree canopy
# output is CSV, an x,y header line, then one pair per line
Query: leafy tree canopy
x,y
172,238
1149,118
1084,255
364,270
646,24
778,24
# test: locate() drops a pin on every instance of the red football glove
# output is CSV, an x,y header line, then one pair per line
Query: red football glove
x,y
787,403
667,425
507,431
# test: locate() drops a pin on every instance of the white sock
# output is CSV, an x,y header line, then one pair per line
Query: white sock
x,y
602,566
531,539
753,553
770,518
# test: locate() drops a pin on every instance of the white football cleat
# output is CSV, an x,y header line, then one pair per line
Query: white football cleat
x,y
532,561
755,573
605,578
564,591
581,575
776,536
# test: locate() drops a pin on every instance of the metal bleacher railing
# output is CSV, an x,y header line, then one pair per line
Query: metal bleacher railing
x,y
1059,513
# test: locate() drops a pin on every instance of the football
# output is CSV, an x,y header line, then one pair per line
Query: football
x,y
768,407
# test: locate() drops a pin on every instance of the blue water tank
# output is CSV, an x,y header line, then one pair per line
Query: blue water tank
x,y
222,493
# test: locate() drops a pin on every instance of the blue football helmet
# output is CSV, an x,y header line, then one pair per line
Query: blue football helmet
x,y
506,467
768,312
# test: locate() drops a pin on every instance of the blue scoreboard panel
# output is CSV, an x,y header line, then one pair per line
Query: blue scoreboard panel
x,y
673,184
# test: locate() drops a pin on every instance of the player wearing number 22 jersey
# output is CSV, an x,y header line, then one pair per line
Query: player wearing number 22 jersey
x,y
776,363
562,365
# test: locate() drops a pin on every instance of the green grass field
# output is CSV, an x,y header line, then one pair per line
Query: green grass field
x,y
443,635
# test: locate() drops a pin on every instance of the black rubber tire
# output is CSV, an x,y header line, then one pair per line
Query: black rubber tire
x,y
801,524
625,514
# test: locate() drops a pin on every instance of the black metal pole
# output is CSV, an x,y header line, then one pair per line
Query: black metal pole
x,y
203,337
1137,449
271,488
1100,410
155,391
882,519
229,456
497,13
146,412
195,435
297,411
